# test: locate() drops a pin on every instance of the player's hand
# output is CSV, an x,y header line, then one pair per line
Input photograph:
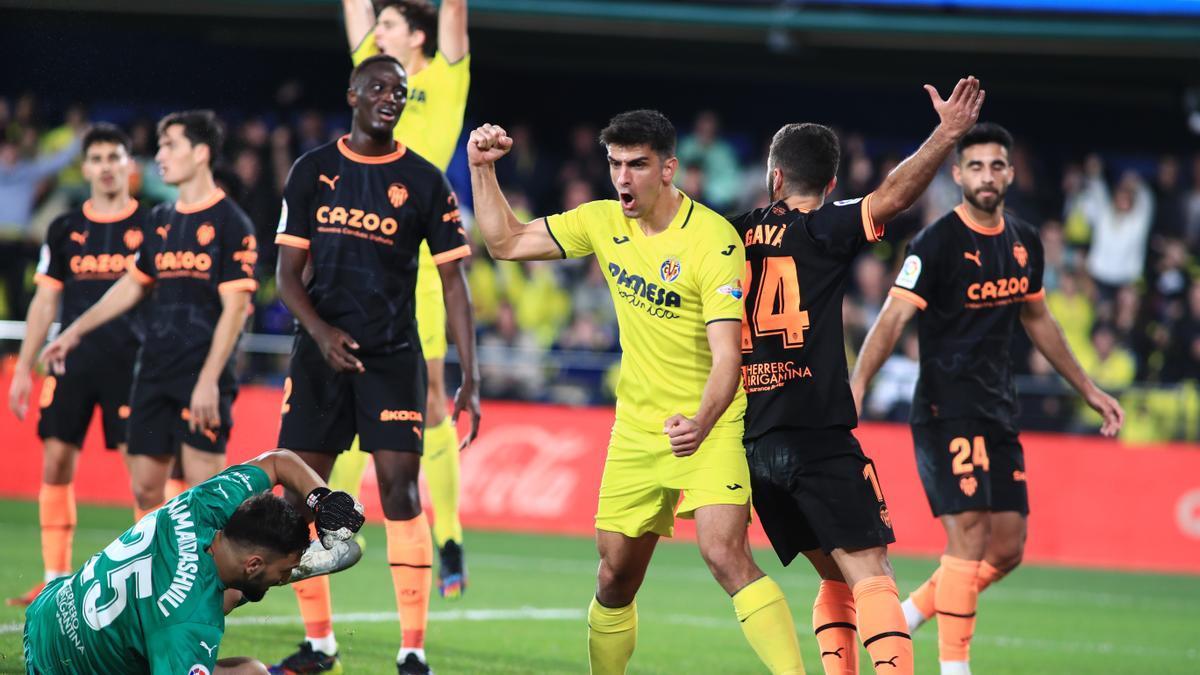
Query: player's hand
x,y
959,112
685,434
338,515
335,346
488,143
466,400
54,356
204,411
1108,408
18,392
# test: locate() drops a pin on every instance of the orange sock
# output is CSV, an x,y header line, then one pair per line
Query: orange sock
x,y
988,575
410,554
882,626
923,596
834,625
316,603
956,597
56,514
174,487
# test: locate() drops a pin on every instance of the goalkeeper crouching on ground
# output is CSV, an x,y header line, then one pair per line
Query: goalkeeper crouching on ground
x,y
154,600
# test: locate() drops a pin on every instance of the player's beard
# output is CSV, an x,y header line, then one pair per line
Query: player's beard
x,y
253,587
991,204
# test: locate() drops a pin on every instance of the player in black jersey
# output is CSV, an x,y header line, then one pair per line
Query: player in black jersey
x,y
973,274
814,490
359,209
86,251
195,270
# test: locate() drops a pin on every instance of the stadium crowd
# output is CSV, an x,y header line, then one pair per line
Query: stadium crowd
x,y
1121,236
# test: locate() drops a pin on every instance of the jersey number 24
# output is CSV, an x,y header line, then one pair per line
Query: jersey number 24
x,y
775,307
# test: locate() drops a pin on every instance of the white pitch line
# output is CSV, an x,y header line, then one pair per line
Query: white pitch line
x,y
577,614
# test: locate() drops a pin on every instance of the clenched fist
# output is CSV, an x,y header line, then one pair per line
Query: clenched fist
x,y
488,143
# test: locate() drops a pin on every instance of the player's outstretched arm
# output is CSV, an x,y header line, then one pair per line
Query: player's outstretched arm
x,y
333,343
120,298
359,16
880,342
453,42
725,343
905,184
42,311
1047,336
459,316
507,238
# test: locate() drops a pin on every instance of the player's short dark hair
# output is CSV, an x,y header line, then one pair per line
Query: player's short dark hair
x,y
421,15
641,127
807,154
103,132
201,127
371,61
986,132
265,521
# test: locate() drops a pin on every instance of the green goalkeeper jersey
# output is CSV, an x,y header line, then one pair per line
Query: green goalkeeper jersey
x,y
151,601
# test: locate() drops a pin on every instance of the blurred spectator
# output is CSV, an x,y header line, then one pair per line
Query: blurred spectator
x,y
149,185
585,162
1169,203
1192,210
1120,225
260,200
871,284
892,393
1111,367
715,157
1183,361
20,180
310,132
507,375
529,167
693,184
1073,309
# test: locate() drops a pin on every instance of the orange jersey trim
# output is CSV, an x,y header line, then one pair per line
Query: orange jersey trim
x,y
453,254
293,241
962,212
909,297
248,285
89,212
141,277
1035,296
48,281
874,232
344,148
216,196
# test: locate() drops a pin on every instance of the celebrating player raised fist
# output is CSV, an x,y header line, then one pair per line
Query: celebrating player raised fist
x,y
488,143
338,515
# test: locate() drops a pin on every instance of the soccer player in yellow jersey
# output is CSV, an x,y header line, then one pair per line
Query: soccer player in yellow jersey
x,y
433,47
674,268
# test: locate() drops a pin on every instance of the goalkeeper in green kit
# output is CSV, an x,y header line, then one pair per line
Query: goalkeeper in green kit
x,y
154,600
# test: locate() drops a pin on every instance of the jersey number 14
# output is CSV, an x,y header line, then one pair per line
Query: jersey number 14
x,y
776,305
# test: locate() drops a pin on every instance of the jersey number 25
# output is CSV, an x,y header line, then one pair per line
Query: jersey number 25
x,y
775,307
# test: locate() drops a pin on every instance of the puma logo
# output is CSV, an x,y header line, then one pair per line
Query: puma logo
x,y
620,240
331,182
973,257
891,662
79,238
728,250
222,491
162,230
837,652
417,431
207,648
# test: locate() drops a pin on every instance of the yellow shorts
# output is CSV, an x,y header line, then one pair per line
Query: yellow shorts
x,y
642,481
431,307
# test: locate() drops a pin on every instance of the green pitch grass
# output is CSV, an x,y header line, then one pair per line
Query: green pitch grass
x,y
524,611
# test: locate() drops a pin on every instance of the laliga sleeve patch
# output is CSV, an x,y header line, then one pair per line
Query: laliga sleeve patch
x,y
43,265
733,290
282,227
198,669
847,202
909,273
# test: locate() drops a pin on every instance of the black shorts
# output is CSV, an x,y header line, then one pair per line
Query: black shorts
x,y
67,403
324,409
158,419
814,488
971,465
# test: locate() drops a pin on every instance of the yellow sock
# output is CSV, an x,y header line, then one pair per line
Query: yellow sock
x,y
612,635
440,466
767,624
348,470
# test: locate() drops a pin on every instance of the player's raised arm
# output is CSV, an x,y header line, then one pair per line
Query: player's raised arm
x,y
338,514
359,16
453,42
905,184
1047,336
878,346
122,297
507,238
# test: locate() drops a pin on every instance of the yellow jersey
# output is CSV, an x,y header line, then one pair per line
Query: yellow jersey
x,y
437,100
666,288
